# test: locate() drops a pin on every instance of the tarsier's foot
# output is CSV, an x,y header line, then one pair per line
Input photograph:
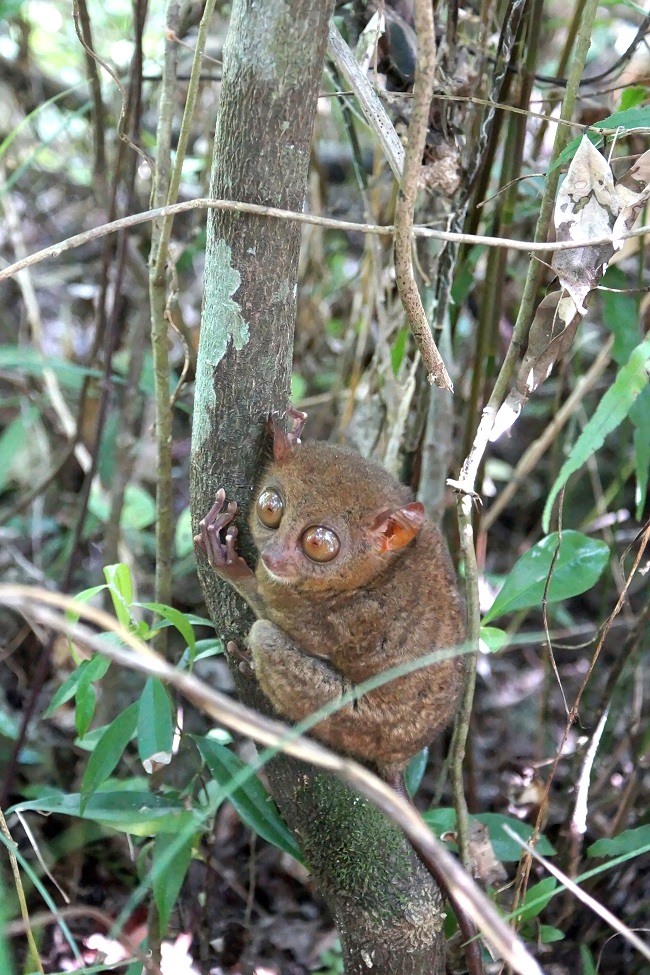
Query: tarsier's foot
x,y
244,659
221,552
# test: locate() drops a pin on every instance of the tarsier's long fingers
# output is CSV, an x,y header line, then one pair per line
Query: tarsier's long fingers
x,y
231,538
208,539
243,657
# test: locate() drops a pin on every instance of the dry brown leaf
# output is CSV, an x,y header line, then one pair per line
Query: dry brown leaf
x,y
586,207
551,335
487,869
632,191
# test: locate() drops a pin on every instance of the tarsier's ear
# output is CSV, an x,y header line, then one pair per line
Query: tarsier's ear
x,y
395,529
284,442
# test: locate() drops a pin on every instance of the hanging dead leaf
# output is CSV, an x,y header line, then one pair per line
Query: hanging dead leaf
x,y
586,207
633,192
551,336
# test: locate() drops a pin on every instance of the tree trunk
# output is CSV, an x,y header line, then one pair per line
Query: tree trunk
x,y
387,910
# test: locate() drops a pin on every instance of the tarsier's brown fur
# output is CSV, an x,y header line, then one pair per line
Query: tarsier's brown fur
x,y
389,596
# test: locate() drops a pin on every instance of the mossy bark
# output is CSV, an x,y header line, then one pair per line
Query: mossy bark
x,y
387,909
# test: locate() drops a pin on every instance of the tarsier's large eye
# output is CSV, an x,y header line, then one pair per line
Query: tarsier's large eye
x,y
270,508
320,544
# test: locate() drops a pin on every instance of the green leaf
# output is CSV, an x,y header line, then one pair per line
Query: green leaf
x,y
493,638
636,841
109,750
30,362
610,412
83,597
506,849
633,96
543,891
170,860
414,772
547,934
120,586
155,726
631,118
183,538
621,316
138,813
199,620
175,618
84,693
440,820
640,417
208,648
398,349
298,387
587,959
578,566
443,820
139,509
12,442
8,725
85,701
251,800
67,689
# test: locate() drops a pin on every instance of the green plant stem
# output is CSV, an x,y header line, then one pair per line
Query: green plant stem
x,y
461,728
159,339
183,139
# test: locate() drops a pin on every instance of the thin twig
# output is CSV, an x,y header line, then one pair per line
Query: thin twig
x,y
418,126
202,203
84,33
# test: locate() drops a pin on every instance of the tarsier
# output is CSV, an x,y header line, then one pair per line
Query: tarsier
x,y
351,580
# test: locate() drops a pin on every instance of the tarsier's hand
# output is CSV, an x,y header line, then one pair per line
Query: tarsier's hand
x,y
220,551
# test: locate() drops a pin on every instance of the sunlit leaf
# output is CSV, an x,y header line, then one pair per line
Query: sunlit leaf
x,y
175,618
139,813
577,568
120,586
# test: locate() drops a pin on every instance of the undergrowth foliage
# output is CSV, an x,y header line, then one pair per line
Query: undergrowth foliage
x,y
546,438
